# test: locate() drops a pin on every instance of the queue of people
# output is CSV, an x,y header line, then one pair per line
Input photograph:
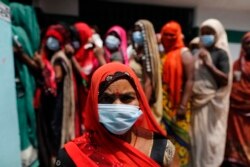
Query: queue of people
x,y
129,99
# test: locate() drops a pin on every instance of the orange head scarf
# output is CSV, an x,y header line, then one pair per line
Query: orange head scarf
x,y
172,28
112,151
172,40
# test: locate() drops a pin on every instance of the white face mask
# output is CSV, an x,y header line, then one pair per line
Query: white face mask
x,y
53,44
207,40
118,118
112,42
138,38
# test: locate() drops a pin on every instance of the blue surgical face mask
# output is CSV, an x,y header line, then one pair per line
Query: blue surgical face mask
x,y
207,40
112,42
76,45
138,38
52,44
118,118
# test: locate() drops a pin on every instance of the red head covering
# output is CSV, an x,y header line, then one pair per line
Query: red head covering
x,y
59,32
91,116
112,151
84,31
123,47
172,67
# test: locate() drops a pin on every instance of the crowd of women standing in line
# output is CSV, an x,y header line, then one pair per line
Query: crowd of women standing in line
x,y
187,104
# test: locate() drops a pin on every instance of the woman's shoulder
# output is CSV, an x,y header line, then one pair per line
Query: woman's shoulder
x,y
74,147
63,159
162,149
220,51
186,56
184,49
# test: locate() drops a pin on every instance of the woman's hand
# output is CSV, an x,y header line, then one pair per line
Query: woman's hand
x,y
69,50
98,51
99,54
38,60
203,55
181,112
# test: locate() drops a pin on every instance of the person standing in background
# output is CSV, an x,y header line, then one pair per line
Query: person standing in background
x,y
84,62
115,45
194,45
56,114
238,137
210,101
147,65
26,39
177,78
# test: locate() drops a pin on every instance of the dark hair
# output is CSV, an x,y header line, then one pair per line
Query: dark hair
x,y
74,34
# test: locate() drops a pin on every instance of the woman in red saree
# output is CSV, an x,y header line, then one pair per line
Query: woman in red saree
x,y
143,143
84,63
56,111
238,137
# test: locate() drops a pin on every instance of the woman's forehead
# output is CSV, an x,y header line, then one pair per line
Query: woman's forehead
x,y
120,86
114,33
137,28
208,29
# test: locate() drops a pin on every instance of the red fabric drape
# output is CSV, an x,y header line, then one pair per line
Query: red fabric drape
x,y
89,64
85,57
97,144
59,32
241,89
238,138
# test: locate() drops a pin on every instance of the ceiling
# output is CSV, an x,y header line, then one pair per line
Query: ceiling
x,y
242,5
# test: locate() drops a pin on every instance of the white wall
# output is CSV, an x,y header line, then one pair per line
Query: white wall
x,y
231,19
235,50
